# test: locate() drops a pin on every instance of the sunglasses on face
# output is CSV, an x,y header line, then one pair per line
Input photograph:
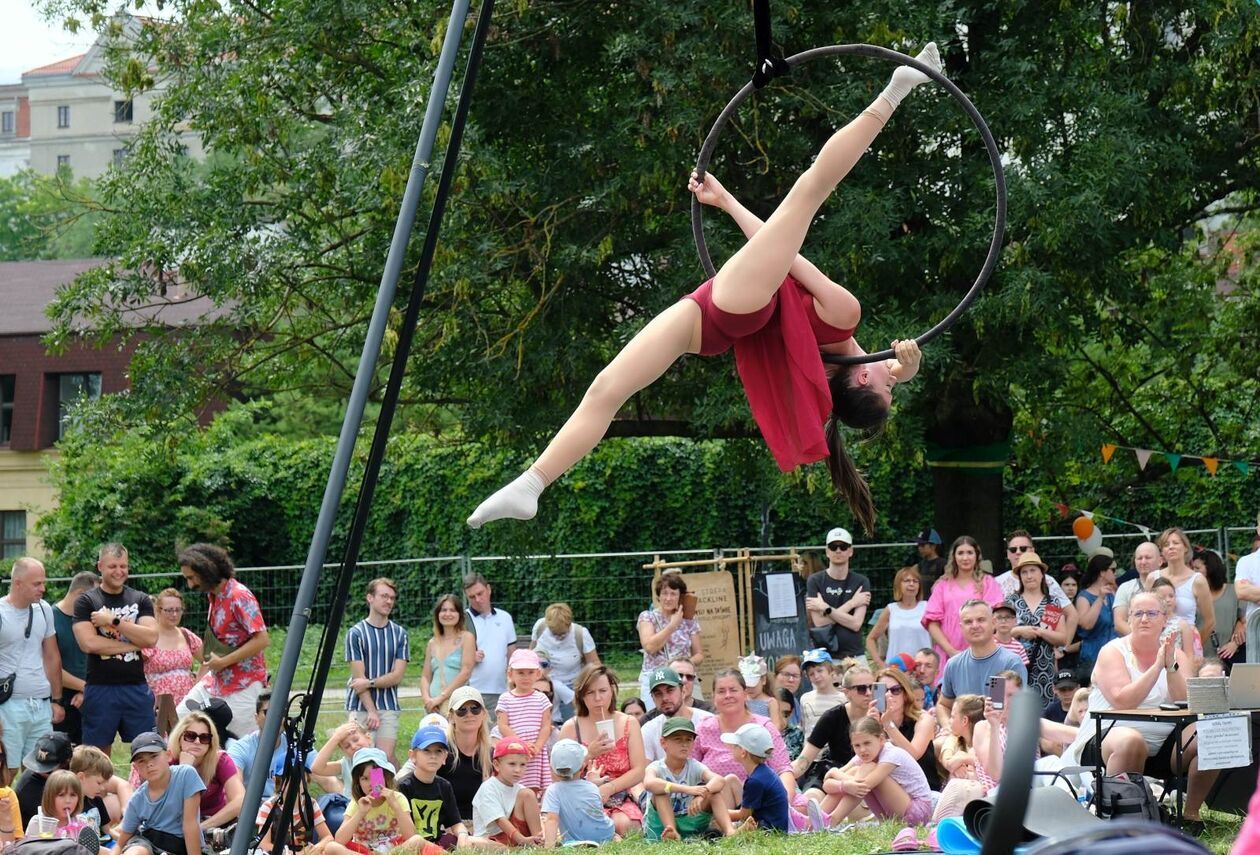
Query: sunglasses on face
x,y
189,736
894,690
469,709
1019,549
837,547
688,677
861,688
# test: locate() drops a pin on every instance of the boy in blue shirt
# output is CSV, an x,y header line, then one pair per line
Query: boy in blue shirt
x,y
164,813
765,801
571,807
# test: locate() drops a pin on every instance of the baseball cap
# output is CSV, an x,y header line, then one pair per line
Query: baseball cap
x,y
145,743
434,720
902,661
753,738
219,713
817,656
509,746
664,677
567,757
839,534
51,752
463,695
1004,607
677,724
426,736
928,535
1066,678
524,659
373,755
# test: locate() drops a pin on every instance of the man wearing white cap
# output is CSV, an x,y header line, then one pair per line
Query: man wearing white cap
x,y
836,600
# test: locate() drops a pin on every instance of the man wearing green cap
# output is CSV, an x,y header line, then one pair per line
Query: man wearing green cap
x,y
686,798
667,694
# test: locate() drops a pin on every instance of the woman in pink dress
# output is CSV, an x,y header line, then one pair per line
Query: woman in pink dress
x,y
962,580
777,310
169,665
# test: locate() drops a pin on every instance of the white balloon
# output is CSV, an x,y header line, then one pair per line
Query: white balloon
x,y
1089,544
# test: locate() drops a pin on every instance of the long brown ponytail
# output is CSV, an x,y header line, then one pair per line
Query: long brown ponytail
x,y
847,480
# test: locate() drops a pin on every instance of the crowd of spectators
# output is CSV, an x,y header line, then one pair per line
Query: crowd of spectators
x,y
531,739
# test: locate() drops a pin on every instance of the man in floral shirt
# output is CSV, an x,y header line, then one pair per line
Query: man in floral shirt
x,y
238,676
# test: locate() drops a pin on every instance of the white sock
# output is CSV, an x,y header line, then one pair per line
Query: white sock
x,y
906,78
517,501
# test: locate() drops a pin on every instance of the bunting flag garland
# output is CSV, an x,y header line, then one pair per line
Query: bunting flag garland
x,y
1065,511
1143,455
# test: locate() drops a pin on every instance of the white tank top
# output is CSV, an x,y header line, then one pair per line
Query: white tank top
x,y
1187,607
1156,696
905,629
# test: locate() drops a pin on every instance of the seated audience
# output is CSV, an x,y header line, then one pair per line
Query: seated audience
x,y
905,723
793,736
958,757
300,836
52,752
613,741
686,797
503,810
1065,686
787,675
968,673
764,801
887,779
105,795
634,707
820,671
434,810
832,730
468,736
195,742
670,700
1141,671
169,822
378,817
572,809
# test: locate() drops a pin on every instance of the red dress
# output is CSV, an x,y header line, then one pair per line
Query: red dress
x,y
776,354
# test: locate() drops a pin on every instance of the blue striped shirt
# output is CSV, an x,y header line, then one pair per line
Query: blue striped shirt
x,y
378,648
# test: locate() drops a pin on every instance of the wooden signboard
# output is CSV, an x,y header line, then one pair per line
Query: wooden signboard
x,y
719,622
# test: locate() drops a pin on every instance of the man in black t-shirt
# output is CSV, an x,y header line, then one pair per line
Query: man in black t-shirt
x,y
112,623
836,599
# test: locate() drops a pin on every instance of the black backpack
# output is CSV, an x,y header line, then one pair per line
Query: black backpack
x,y
1128,797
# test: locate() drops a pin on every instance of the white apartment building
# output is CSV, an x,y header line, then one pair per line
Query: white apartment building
x,y
72,118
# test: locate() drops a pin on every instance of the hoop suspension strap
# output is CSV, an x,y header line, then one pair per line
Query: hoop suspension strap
x,y
769,64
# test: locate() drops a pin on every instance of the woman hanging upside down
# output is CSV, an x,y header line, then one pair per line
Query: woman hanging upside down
x,y
777,310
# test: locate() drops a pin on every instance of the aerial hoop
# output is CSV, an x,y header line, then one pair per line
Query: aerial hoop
x,y
999,178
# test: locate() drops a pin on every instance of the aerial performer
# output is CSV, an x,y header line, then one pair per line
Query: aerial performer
x,y
778,311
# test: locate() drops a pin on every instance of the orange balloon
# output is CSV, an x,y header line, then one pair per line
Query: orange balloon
x,y
1082,527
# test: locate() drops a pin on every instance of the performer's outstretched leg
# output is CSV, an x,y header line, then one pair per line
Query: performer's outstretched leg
x,y
748,280
666,337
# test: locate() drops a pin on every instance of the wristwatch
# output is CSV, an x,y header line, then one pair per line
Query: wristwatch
x,y
117,621
372,683
827,611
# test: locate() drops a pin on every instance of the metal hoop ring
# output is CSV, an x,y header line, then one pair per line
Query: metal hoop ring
x,y
999,178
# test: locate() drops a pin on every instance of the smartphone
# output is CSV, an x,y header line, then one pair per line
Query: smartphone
x,y
881,697
997,692
376,782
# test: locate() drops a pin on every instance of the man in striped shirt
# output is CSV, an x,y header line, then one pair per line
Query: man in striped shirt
x,y
377,651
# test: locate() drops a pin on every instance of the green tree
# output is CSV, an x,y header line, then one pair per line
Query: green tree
x,y
1122,125
43,217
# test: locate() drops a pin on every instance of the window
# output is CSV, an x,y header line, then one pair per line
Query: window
x,y
123,111
63,161
6,408
63,116
12,534
6,122
73,389
120,154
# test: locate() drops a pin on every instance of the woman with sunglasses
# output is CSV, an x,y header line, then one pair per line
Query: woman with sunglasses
x,y
468,762
832,729
963,580
905,723
195,742
170,664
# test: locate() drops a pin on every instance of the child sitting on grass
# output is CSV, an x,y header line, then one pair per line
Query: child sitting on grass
x,y
821,673
378,818
434,809
301,836
95,771
765,801
503,810
884,777
571,807
63,802
686,797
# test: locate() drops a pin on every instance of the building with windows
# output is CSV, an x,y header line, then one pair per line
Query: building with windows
x,y
38,390
67,115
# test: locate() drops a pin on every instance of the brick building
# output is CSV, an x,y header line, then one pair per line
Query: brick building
x,y
38,390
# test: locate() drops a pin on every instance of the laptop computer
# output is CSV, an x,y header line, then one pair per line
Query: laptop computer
x,y
1244,686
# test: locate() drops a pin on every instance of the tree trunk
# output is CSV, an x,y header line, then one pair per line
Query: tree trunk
x,y
968,451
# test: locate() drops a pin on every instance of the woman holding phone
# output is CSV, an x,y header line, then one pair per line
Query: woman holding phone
x,y
668,630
